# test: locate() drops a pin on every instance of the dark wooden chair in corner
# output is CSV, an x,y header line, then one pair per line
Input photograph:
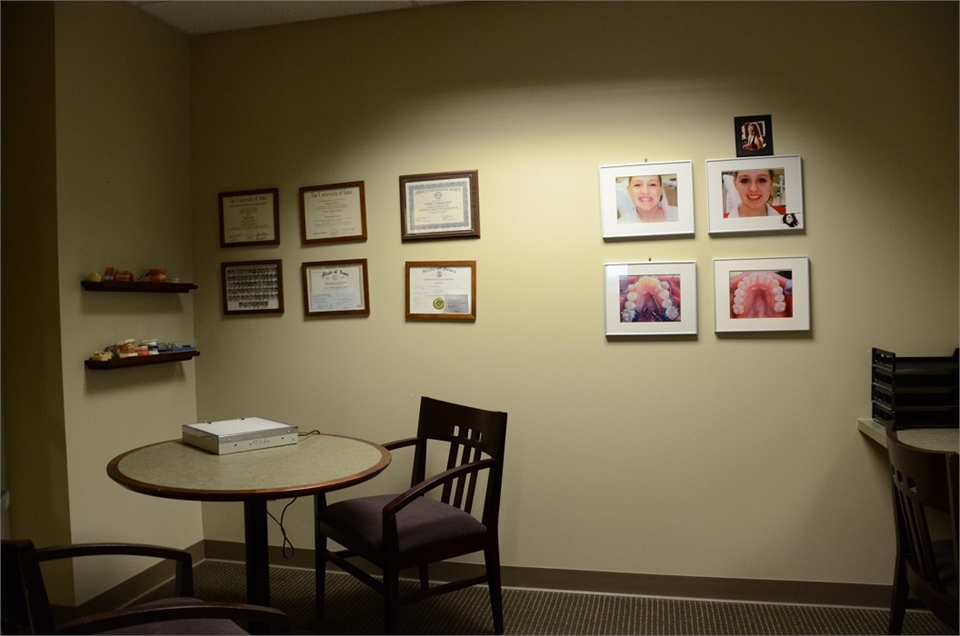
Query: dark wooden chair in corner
x,y
396,532
26,607
923,480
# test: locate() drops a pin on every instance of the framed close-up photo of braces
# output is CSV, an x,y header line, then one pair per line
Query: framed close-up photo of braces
x,y
762,294
650,299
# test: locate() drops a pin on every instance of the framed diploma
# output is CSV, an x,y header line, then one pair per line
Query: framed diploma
x,y
440,205
251,217
252,287
442,290
333,213
335,288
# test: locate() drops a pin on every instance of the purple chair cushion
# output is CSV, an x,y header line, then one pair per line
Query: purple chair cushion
x,y
424,523
189,626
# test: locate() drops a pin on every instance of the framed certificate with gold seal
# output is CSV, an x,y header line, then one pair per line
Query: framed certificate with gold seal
x,y
441,290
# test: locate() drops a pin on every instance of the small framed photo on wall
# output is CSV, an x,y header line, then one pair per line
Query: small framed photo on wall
x,y
762,294
646,199
754,135
252,287
648,299
760,194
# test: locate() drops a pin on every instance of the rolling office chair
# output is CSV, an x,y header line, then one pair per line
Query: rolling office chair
x,y
400,531
923,480
26,606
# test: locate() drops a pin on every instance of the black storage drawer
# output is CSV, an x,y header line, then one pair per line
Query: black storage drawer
x,y
915,391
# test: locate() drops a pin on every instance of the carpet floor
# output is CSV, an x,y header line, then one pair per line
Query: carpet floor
x,y
353,608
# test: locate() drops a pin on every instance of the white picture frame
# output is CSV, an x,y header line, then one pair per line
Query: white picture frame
x,y
781,211
618,211
761,294
650,299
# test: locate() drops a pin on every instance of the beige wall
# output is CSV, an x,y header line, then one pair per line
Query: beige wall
x,y
713,456
731,456
34,461
112,189
123,132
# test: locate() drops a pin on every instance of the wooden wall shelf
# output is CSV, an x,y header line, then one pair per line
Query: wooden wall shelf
x,y
139,361
137,286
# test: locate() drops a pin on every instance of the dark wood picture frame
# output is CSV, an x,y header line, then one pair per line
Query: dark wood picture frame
x,y
440,205
252,287
342,290
339,209
250,227
436,295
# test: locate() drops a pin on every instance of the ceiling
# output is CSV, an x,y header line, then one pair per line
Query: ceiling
x,y
214,16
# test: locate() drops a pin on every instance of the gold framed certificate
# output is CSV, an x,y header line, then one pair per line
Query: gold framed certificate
x,y
333,213
441,290
335,288
439,205
250,217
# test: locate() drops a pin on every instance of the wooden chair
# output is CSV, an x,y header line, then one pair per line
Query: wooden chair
x,y
26,606
923,480
400,531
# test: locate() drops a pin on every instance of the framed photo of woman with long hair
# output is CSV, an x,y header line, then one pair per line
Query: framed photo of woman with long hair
x,y
757,194
646,199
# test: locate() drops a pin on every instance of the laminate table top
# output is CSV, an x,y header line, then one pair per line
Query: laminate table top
x,y
937,439
316,463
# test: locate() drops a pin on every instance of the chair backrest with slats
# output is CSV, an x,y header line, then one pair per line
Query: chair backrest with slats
x,y
922,481
472,434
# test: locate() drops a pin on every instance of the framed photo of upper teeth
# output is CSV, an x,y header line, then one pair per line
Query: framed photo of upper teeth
x,y
646,199
756,194
650,299
762,294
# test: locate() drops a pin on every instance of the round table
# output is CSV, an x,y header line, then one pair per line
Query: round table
x,y
316,465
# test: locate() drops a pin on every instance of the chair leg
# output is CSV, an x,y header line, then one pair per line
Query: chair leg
x,y
492,560
391,595
320,556
898,599
424,578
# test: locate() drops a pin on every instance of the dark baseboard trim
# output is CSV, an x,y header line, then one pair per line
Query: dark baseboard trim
x,y
695,587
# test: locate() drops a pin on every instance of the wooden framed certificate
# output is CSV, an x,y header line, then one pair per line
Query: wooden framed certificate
x,y
440,205
252,287
333,213
335,288
251,217
441,290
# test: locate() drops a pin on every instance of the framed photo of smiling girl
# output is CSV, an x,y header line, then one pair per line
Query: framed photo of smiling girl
x,y
758,194
646,199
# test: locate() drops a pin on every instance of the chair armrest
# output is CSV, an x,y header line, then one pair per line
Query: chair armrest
x,y
404,499
400,443
178,609
182,558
